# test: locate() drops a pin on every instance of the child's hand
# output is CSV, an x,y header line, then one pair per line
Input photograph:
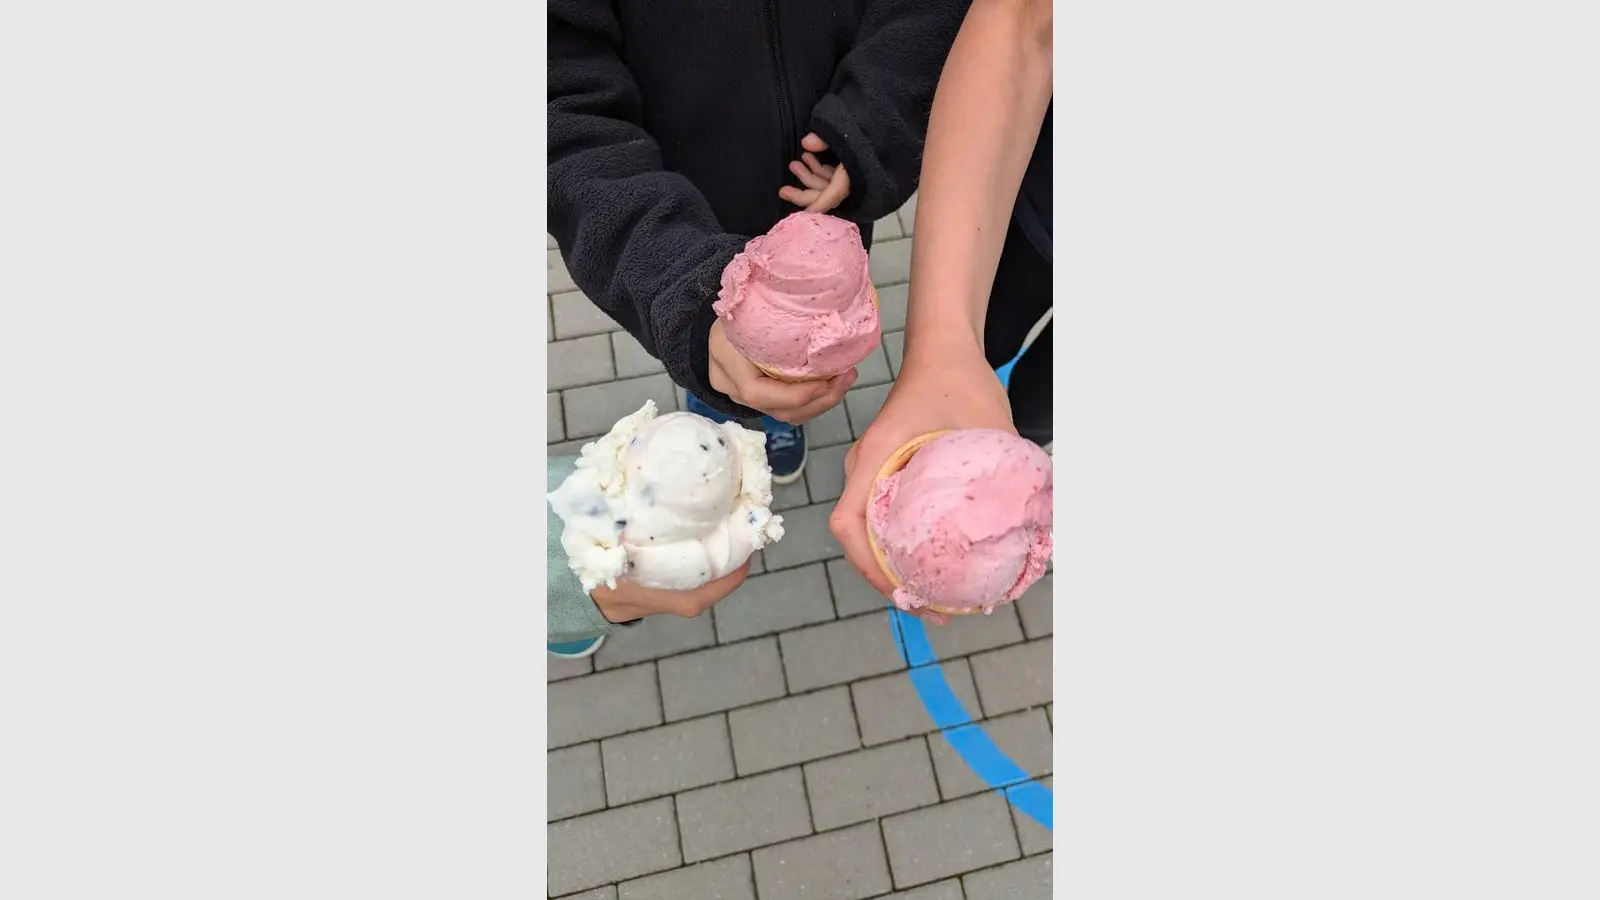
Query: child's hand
x,y
628,601
747,385
825,186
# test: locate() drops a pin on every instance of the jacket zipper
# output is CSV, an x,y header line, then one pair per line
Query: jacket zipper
x,y
791,142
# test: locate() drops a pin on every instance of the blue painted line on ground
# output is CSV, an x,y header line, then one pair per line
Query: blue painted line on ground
x,y
966,737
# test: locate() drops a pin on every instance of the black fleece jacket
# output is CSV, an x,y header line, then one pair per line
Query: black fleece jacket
x,y
672,125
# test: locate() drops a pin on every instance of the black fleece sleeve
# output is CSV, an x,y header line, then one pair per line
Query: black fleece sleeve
x,y
875,114
641,242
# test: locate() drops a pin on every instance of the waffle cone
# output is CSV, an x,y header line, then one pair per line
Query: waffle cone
x,y
897,461
802,379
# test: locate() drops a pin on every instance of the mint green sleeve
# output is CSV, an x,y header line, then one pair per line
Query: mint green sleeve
x,y
572,615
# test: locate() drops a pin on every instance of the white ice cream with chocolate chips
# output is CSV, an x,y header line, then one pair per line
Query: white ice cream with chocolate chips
x,y
669,502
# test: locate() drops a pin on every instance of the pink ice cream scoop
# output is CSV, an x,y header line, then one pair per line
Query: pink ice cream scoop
x,y
798,301
960,520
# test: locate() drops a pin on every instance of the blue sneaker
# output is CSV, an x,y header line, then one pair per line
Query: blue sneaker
x,y
786,449
786,444
576,649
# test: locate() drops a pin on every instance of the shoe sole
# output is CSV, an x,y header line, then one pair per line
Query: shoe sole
x,y
593,649
794,476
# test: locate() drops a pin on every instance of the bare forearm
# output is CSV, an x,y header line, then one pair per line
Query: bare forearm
x,y
986,116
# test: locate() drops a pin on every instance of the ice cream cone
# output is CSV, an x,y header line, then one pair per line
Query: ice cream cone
x,y
803,379
897,461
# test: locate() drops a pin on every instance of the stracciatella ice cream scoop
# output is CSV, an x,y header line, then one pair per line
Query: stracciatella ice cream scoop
x,y
671,502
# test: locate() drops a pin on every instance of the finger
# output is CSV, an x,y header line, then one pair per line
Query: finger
x,y
834,194
780,399
932,618
813,143
829,399
818,169
848,522
850,458
721,382
797,196
811,179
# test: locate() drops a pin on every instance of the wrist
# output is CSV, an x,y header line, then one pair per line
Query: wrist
x,y
942,337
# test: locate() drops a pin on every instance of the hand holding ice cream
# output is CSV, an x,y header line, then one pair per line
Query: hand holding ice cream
x,y
796,313
950,387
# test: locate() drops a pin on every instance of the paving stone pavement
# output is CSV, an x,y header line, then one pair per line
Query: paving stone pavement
x,y
774,748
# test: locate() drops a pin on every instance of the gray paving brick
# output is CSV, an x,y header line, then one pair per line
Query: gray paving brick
x,y
580,361
944,890
603,704
554,430
806,538
767,604
556,269
839,652
908,215
567,448
653,638
576,315
1013,678
758,564
1035,837
1036,608
873,783
612,846
1027,879
950,839
852,595
825,472
713,680
632,359
666,760
874,369
889,709
608,892
549,320
789,496
561,669
891,262
593,410
863,404
550,242
720,879
575,781
894,346
841,865
887,229
794,730
744,814
1023,737
832,427
965,635
893,304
